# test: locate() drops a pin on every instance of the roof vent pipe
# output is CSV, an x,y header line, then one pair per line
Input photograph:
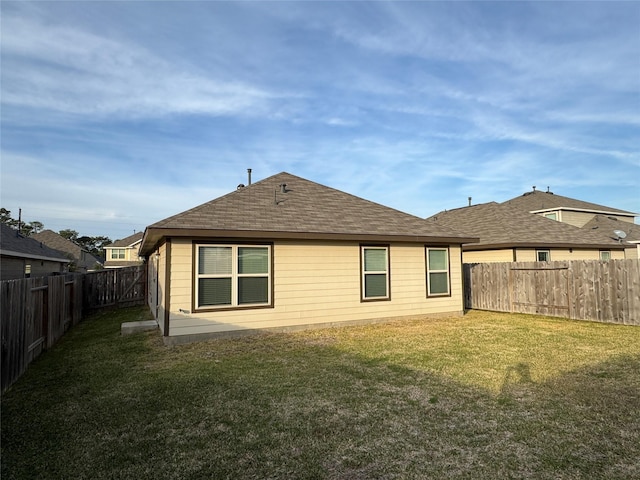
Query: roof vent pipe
x,y
283,188
249,175
534,188
469,201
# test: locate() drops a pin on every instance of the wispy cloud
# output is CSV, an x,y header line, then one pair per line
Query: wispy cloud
x,y
416,105
70,70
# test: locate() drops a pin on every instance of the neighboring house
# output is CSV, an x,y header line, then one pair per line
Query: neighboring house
x,y
24,257
508,234
565,209
586,215
611,226
124,253
287,253
81,260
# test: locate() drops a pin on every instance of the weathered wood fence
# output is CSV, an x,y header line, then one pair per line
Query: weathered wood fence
x,y
582,290
116,287
36,312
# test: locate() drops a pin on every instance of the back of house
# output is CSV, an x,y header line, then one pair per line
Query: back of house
x,y
287,253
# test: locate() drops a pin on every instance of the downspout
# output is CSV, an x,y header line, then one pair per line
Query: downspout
x,y
167,287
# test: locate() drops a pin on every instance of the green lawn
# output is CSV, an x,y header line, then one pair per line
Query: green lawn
x,y
484,396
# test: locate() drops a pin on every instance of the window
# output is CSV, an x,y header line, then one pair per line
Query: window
x,y
233,276
375,273
605,255
543,255
117,254
552,216
437,271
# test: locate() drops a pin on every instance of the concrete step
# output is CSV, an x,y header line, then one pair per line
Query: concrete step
x,y
135,327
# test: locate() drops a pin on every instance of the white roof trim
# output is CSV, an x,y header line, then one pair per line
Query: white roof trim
x,y
587,210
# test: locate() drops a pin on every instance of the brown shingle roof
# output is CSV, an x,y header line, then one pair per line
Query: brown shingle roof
x,y
127,242
83,259
606,225
307,210
537,200
13,244
501,225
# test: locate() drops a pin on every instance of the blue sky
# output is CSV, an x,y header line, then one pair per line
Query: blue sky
x,y
118,114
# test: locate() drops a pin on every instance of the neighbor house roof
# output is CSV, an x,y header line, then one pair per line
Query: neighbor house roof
x,y
608,225
302,210
538,201
53,240
12,244
504,226
129,241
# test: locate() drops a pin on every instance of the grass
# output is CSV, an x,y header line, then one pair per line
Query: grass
x,y
484,396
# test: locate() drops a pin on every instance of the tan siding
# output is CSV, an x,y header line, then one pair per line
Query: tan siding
x,y
488,256
578,219
317,283
633,252
562,254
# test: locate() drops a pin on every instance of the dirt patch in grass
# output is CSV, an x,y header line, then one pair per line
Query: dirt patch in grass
x,y
483,396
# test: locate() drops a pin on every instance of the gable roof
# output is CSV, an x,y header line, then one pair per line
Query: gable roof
x,y
504,226
129,241
303,210
12,244
58,242
537,201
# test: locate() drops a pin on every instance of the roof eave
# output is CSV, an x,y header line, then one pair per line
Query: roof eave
x,y
153,236
496,246
621,213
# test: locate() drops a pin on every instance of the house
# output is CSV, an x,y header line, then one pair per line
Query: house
x,y
81,260
586,215
565,209
628,234
124,253
24,257
286,253
509,234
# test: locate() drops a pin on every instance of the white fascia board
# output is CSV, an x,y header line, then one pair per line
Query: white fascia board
x,y
586,210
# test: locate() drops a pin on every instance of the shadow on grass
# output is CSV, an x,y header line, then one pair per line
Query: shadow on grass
x,y
295,406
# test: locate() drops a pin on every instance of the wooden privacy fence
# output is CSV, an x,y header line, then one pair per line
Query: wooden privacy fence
x,y
116,287
36,312
578,289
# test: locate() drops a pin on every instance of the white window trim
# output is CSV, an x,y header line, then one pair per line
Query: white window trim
x,y
115,253
363,274
447,271
548,252
608,252
234,277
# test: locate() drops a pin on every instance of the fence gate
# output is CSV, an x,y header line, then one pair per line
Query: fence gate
x,y
117,287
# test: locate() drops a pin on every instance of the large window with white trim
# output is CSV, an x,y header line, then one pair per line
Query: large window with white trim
x,y
232,276
438,271
375,272
118,253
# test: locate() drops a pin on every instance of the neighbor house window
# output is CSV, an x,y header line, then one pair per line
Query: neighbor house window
x,y
233,276
118,253
552,216
437,271
605,255
543,255
375,273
